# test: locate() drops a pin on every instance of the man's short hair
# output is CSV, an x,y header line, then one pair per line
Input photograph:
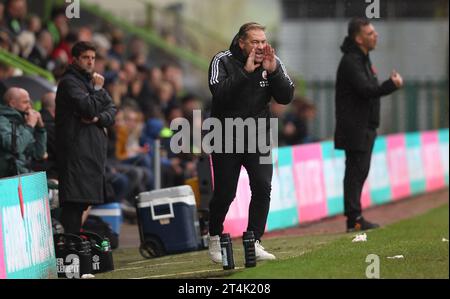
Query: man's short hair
x,y
249,26
355,25
81,47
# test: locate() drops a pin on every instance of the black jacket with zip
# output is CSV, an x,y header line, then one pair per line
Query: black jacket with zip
x,y
81,147
239,94
357,99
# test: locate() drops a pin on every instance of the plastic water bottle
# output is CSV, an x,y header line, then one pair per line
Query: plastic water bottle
x,y
248,240
105,245
227,252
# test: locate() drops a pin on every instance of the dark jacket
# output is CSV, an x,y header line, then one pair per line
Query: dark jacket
x,y
80,147
30,142
238,94
358,95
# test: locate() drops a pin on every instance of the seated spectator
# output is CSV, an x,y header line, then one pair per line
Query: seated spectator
x,y
15,14
63,51
295,124
2,14
40,55
34,24
22,133
166,96
5,41
58,25
173,74
118,48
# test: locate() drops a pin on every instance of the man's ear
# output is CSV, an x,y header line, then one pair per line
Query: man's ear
x,y
358,39
241,43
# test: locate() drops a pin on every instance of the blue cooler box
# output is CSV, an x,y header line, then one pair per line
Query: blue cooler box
x,y
111,213
168,217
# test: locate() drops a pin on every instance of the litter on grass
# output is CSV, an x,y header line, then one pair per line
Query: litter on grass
x,y
360,238
396,257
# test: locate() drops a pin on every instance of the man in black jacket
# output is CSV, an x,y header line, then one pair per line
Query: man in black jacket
x,y
358,114
242,81
83,111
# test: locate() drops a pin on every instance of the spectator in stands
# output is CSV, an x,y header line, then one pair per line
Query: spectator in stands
x,y
133,152
5,41
16,12
22,133
84,34
2,14
62,51
166,97
40,55
34,24
83,112
174,75
62,54
118,48
58,25
295,124
137,181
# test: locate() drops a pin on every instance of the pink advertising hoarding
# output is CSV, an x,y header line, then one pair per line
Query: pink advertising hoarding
x,y
237,217
434,171
309,182
398,166
365,196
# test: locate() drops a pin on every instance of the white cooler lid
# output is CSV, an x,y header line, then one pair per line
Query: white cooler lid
x,y
168,195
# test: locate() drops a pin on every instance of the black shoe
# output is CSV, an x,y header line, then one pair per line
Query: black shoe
x,y
360,224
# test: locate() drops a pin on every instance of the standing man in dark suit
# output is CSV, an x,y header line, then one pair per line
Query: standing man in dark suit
x,y
84,110
358,95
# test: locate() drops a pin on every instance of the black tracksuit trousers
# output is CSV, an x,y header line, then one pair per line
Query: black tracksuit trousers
x,y
227,168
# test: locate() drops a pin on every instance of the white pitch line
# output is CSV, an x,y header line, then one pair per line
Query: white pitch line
x,y
161,264
126,269
183,273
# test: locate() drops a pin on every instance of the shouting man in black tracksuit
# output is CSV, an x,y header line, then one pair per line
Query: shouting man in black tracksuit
x,y
242,81
358,114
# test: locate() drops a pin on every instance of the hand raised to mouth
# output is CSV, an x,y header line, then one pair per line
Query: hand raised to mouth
x,y
269,62
250,65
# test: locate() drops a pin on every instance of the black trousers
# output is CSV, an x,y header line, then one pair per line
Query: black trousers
x,y
71,216
357,166
226,175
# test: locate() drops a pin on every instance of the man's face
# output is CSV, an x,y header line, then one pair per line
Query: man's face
x,y
367,38
18,8
22,103
255,39
86,61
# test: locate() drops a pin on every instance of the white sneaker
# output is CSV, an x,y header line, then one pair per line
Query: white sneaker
x,y
215,252
261,254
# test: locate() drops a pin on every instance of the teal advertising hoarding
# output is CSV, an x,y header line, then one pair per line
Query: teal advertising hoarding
x,y
26,239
